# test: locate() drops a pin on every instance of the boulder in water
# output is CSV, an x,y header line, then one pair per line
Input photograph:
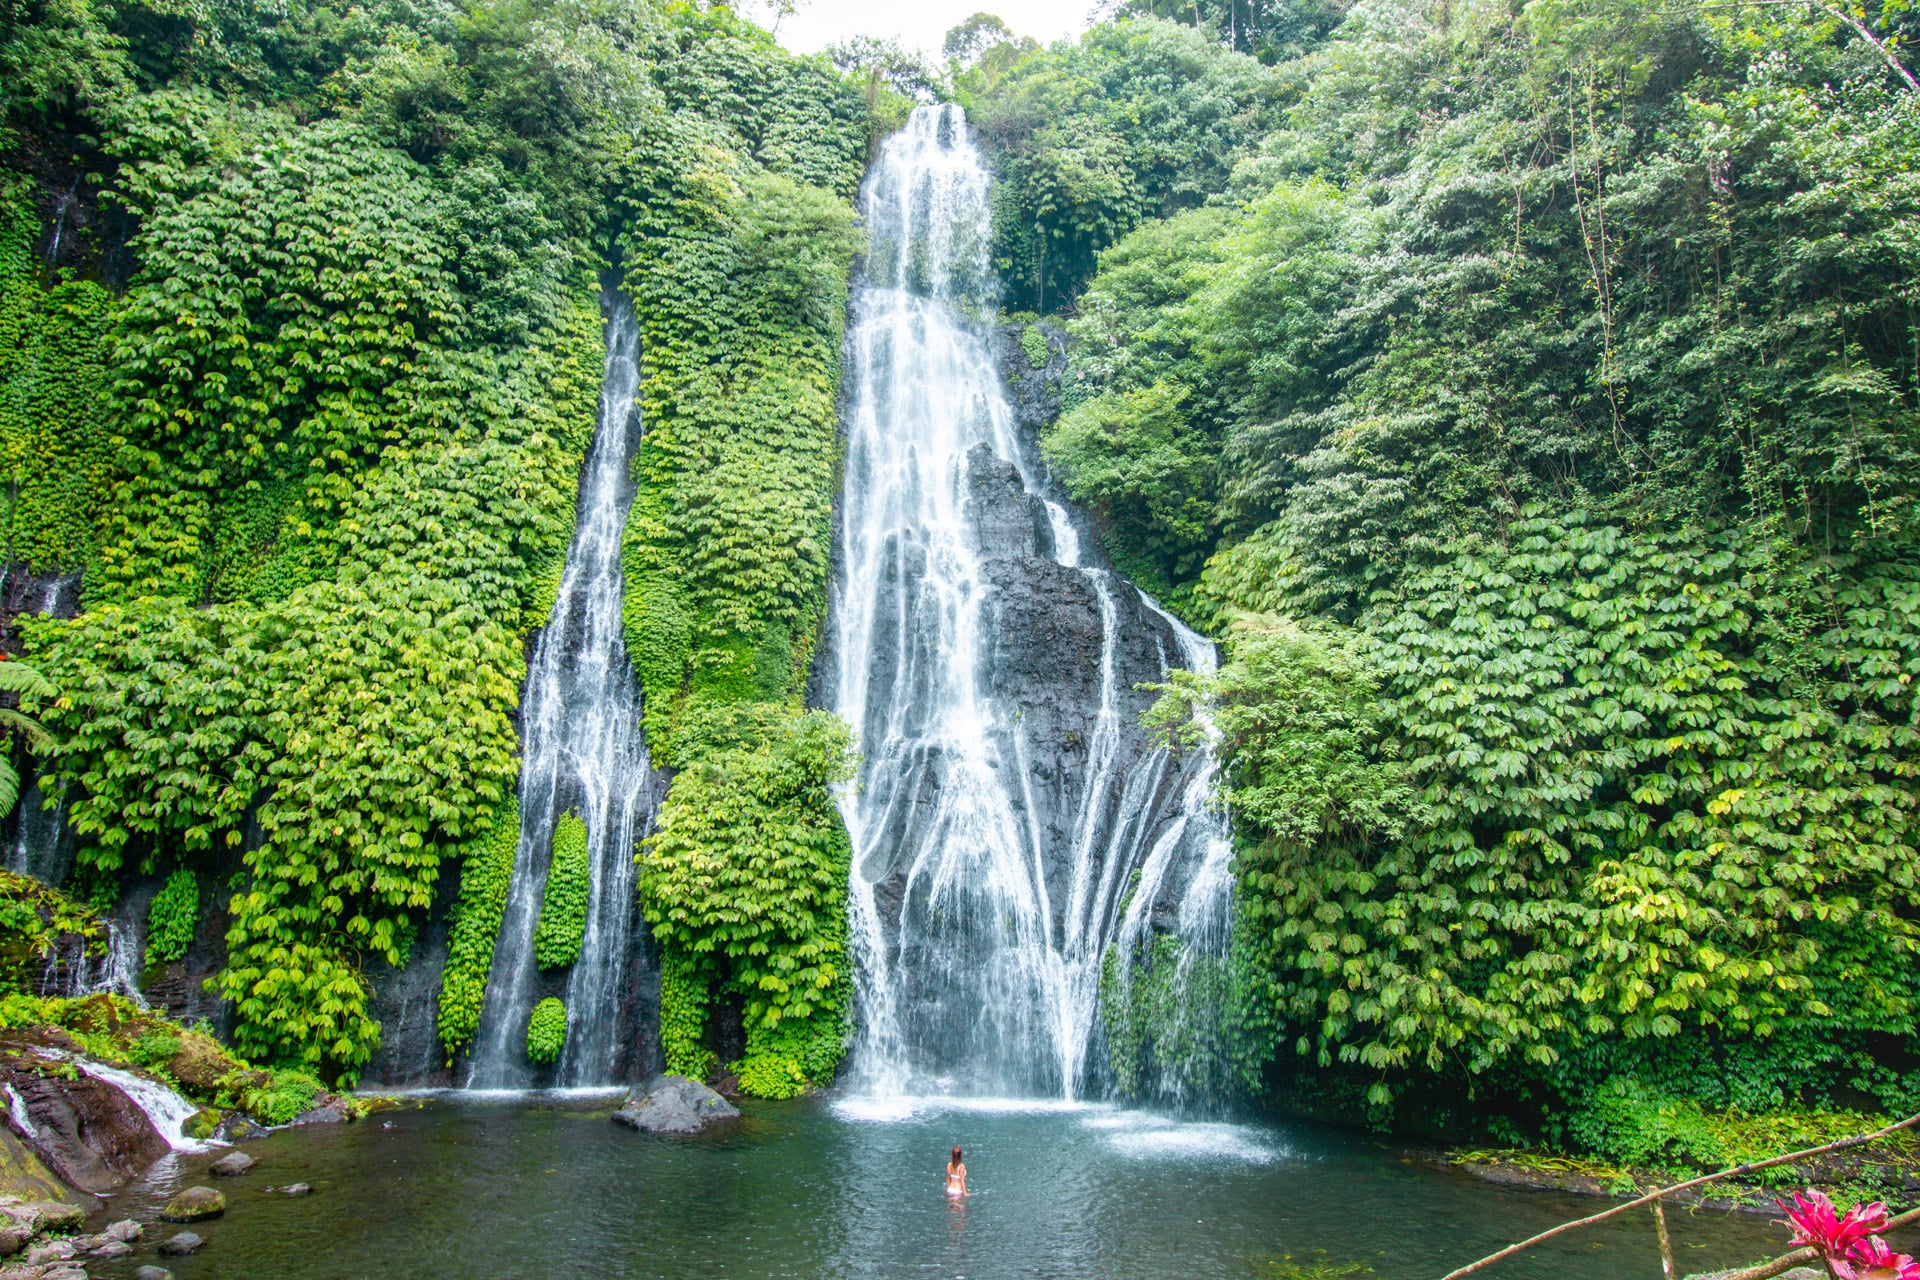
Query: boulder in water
x,y
125,1229
153,1273
332,1113
193,1205
180,1244
238,1128
231,1165
674,1104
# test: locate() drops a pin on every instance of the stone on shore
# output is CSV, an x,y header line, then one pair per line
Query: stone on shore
x,y
194,1204
674,1104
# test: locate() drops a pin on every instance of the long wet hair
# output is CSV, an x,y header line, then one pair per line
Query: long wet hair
x,y
955,1162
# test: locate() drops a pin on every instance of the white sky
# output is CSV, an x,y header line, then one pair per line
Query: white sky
x,y
921,24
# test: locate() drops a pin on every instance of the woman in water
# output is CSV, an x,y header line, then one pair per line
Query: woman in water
x,y
956,1176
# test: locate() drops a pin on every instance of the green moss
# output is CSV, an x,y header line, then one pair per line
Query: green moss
x,y
547,1031
563,911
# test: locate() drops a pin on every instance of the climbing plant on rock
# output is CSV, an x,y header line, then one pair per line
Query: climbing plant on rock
x,y
172,916
563,911
486,874
547,1031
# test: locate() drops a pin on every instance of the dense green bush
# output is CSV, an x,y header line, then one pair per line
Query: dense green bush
x,y
56,450
744,882
563,911
547,1031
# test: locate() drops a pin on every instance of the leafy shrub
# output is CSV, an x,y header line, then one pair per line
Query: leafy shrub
x,y
563,911
1033,344
276,1097
172,917
154,1048
547,1031
744,883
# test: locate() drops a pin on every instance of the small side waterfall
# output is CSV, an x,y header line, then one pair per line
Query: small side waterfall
x,y
584,753
1013,825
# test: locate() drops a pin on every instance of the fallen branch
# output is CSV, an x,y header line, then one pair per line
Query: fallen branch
x,y
1845,1144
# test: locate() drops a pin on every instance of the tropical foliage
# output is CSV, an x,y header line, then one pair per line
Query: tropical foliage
x,y
299,335
1532,410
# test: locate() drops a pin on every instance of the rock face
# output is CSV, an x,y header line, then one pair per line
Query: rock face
x,y
406,1001
194,1205
674,1104
86,1131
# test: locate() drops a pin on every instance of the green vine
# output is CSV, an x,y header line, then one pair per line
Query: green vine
x,y
171,918
486,874
547,1031
563,912
683,1014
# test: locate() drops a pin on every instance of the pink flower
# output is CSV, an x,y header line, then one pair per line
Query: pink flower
x,y
1815,1223
1871,1259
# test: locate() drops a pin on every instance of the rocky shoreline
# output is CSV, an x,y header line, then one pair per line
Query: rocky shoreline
x,y
1876,1174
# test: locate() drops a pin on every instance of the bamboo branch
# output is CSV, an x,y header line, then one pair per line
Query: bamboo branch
x,y
1845,1144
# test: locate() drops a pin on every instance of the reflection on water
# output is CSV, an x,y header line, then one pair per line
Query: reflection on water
x,y
549,1188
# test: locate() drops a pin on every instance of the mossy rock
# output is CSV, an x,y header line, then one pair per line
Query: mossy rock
x,y
23,1175
202,1124
195,1204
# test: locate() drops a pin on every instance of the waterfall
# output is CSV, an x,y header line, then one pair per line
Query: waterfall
x,y
584,753
1012,822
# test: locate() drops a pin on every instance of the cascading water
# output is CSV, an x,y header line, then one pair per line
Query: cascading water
x,y
1012,822
584,753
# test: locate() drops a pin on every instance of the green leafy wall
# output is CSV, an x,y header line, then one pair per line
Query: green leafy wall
x,y
319,457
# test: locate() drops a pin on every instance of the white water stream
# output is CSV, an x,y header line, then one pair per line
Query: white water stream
x,y
584,752
979,929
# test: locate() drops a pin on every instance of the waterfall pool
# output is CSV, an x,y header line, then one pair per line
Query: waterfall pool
x,y
545,1186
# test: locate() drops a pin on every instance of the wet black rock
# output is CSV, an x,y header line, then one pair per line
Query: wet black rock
x,y
673,1104
238,1128
180,1244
